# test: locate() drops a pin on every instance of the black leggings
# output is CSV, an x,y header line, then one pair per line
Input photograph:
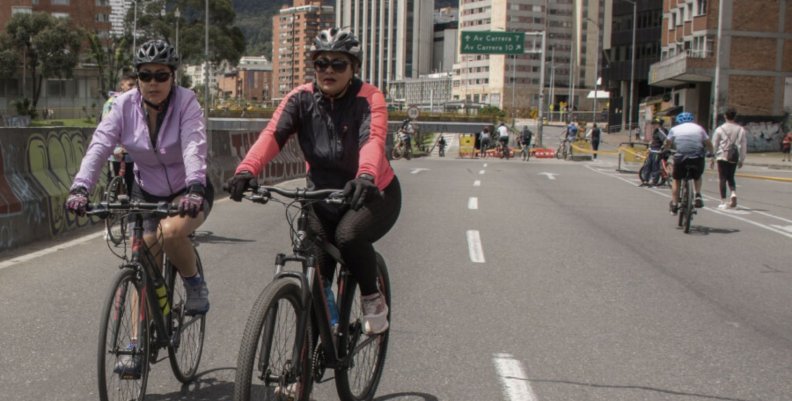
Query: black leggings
x,y
354,233
726,172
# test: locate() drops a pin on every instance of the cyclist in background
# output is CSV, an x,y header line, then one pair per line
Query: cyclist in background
x,y
341,124
441,145
571,136
652,174
120,155
503,136
691,144
407,132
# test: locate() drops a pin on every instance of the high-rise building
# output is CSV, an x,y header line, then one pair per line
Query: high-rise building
x,y
512,82
293,32
396,37
620,74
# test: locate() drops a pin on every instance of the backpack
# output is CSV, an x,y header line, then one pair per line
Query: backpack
x,y
733,153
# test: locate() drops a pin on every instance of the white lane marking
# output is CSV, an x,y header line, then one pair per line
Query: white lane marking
x,y
485,165
418,170
474,246
56,248
477,183
473,203
481,172
550,176
785,228
516,386
713,210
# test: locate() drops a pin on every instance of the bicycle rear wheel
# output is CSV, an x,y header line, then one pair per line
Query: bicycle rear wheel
x,y
689,210
188,331
115,225
265,364
365,355
121,338
682,206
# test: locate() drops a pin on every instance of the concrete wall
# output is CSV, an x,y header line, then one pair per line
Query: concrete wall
x,y
38,165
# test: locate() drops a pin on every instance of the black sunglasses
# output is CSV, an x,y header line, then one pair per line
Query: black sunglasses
x,y
159,76
338,65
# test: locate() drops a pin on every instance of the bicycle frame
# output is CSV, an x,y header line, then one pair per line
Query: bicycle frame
x,y
142,262
312,286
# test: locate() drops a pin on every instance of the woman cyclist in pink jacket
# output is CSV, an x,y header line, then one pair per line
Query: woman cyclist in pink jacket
x,y
341,125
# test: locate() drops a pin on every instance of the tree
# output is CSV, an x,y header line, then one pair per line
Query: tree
x,y
156,20
110,60
49,47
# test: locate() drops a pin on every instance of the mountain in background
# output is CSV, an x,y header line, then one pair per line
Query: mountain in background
x,y
254,18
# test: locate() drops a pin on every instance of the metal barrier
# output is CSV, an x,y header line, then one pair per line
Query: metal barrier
x,y
632,154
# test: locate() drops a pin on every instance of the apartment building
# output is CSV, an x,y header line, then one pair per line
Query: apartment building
x,y
753,66
396,37
251,80
293,32
572,29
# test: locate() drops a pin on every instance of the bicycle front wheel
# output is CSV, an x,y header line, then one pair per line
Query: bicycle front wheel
x,y
188,332
123,340
365,355
266,362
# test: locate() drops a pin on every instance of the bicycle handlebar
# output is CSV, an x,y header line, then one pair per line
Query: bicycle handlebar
x,y
263,194
104,209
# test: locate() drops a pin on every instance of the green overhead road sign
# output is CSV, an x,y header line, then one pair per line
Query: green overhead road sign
x,y
489,42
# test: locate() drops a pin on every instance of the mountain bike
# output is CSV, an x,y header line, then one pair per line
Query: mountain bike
x,y
686,201
144,311
289,341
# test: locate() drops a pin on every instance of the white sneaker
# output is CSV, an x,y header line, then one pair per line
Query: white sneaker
x,y
733,201
723,206
375,314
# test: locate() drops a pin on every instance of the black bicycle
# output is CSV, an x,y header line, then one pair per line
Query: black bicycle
x,y
289,341
144,311
686,202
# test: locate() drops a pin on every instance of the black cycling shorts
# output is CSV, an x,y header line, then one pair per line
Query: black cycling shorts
x,y
696,166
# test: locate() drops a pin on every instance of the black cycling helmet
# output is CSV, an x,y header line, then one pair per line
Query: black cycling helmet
x,y
337,40
157,51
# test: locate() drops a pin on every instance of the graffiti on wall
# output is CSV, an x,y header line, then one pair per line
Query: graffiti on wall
x,y
764,136
53,160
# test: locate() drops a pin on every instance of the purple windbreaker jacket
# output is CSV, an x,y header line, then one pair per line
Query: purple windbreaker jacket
x,y
179,158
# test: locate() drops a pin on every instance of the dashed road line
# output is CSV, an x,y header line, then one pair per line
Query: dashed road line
x,y
473,203
474,246
477,183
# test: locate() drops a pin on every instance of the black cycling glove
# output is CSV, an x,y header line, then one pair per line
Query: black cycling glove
x,y
239,183
360,190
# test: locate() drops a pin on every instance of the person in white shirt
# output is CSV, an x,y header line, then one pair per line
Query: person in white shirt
x,y
727,134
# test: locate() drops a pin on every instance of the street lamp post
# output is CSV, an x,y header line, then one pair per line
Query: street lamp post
x,y
134,27
177,14
632,70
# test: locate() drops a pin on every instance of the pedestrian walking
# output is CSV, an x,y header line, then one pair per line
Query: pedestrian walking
x,y
730,143
596,134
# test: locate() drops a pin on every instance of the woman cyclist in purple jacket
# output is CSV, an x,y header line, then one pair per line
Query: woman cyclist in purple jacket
x,y
161,125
